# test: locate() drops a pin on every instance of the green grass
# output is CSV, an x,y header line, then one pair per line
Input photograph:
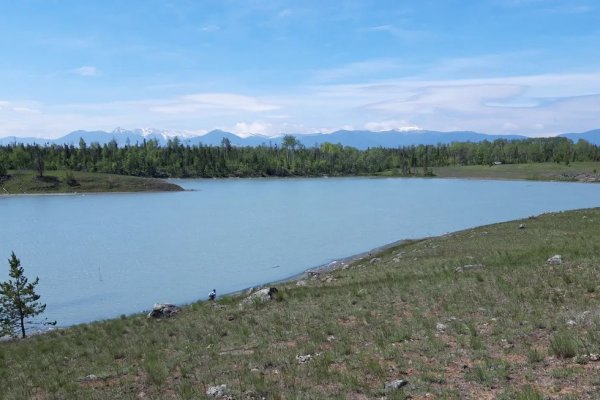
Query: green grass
x,y
27,182
532,171
500,331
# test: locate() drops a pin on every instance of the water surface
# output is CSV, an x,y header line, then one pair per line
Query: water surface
x,y
100,256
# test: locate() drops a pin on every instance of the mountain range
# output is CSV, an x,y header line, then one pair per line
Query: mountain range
x,y
358,139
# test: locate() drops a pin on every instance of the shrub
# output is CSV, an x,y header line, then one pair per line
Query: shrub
x,y
563,345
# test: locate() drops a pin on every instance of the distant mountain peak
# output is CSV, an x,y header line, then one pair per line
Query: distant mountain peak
x,y
360,139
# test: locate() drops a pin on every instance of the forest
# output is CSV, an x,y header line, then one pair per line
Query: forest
x,y
148,159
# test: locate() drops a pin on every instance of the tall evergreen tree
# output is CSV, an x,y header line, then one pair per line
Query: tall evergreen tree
x,y
18,301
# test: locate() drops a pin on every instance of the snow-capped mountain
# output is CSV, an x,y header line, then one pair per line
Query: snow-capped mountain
x,y
358,139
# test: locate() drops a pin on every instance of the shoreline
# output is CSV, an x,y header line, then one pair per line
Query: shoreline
x,y
469,178
344,262
5,195
334,265
306,274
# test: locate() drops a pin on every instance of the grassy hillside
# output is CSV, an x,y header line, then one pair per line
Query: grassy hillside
x,y
476,314
27,182
577,171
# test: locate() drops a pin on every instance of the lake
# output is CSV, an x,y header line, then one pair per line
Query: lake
x,y
99,256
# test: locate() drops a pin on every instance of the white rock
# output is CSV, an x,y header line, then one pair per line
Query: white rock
x,y
303,359
395,385
216,391
260,296
555,260
163,310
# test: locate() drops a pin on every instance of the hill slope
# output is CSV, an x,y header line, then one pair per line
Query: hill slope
x,y
590,136
473,314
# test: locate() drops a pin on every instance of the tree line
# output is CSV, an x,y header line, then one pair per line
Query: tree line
x,y
291,158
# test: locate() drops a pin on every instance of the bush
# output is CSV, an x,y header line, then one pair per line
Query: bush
x,y
70,178
563,345
528,393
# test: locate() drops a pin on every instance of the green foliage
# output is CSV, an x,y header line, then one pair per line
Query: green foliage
x,y
534,356
70,179
564,345
525,393
291,158
39,164
18,300
3,170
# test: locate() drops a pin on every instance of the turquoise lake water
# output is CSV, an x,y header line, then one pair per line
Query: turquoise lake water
x,y
100,256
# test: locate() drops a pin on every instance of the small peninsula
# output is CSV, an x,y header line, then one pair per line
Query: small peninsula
x,y
57,182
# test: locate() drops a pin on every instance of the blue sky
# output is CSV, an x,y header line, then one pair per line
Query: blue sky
x,y
269,67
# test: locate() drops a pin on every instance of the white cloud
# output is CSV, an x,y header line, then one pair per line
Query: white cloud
x,y
535,105
335,129
382,126
17,107
212,101
552,6
86,70
532,105
466,98
403,34
361,69
249,128
24,109
210,28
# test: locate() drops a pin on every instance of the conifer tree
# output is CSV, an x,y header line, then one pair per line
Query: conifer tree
x,y
18,301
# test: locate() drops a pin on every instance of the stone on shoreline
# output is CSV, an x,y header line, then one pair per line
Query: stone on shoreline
x,y
313,274
163,310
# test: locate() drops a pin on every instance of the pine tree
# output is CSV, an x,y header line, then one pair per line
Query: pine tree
x,y
18,301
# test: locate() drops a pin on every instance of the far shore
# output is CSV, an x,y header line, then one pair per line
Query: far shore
x,y
25,183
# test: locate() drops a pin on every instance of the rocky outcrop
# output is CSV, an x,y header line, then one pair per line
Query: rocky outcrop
x,y
580,176
261,296
164,310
